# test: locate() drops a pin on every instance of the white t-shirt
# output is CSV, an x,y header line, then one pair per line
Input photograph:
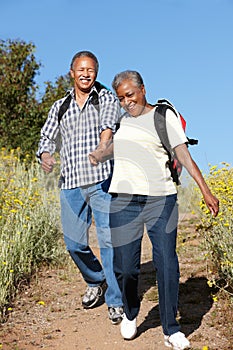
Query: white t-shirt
x,y
140,160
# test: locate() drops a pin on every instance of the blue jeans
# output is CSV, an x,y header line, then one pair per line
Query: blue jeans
x,y
128,215
77,207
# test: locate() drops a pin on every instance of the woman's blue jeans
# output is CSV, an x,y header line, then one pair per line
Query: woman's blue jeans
x,y
77,207
128,215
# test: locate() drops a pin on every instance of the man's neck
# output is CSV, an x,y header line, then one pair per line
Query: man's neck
x,y
81,97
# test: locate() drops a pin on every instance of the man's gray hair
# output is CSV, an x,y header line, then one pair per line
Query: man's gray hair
x,y
127,75
85,54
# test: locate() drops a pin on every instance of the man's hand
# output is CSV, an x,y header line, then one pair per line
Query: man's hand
x,y
47,162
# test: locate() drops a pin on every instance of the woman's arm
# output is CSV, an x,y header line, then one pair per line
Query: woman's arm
x,y
184,157
104,151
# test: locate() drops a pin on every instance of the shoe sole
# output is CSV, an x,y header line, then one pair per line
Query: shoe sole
x,y
117,321
130,338
91,305
98,299
169,345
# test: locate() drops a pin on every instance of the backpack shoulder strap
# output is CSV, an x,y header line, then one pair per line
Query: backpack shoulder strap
x,y
160,127
182,120
100,86
63,108
95,95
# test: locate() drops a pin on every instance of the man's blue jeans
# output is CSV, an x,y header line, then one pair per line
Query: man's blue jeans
x,y
77,206
128,215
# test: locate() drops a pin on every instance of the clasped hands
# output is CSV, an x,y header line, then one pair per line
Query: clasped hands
x,y
103,152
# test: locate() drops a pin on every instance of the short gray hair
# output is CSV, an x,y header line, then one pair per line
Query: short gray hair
x,y
127,75
85,54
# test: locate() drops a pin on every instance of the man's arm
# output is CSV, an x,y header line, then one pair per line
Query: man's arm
x,y
48,139
186,160
110,115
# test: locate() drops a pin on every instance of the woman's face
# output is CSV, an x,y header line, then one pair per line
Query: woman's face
x,y
132,98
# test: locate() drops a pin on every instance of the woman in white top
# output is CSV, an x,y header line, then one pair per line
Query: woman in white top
x,y
143,193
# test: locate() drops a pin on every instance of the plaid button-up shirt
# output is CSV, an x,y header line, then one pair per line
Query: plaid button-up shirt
x,y
80,131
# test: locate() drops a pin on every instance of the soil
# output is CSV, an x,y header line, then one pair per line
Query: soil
x,y
48,313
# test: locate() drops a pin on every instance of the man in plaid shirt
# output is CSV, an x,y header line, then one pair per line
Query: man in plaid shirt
x,y
88,123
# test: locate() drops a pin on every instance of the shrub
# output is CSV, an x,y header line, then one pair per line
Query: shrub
x,y
218,232
29,222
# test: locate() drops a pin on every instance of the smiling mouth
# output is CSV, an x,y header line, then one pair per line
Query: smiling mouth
x,y
131,108
134,110
85,79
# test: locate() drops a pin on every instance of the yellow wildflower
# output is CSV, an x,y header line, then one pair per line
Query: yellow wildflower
x,y
210,284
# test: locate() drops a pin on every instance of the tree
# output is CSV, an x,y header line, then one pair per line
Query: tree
x,y
55,92
21,114
18,105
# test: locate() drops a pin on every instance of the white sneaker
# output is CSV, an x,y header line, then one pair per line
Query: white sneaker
x,y
128,328
177,341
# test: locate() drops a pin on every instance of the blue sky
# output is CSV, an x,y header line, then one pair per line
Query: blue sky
x,y
182,48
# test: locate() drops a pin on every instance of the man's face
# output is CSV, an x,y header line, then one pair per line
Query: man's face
x,y
84,73
131,97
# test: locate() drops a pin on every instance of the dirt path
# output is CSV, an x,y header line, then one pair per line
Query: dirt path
x,y
49,315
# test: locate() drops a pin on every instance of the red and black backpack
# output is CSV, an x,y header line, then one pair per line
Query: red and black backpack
x,y
160,126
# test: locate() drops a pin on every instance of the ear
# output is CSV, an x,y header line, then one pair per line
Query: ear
x,y
72,73
143,89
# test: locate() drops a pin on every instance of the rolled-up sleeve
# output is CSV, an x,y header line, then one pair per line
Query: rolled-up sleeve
x,y
109,111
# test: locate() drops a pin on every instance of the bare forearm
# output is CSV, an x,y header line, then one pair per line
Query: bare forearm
x,y
104,150
186,160
106,135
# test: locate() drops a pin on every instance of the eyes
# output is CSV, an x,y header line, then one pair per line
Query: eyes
x,y
127,95
88,70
